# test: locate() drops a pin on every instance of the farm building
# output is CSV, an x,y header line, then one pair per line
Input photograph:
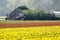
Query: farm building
x,y
57,13
17,13
2,17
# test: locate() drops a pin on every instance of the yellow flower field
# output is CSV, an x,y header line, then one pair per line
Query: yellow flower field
x,y
31,33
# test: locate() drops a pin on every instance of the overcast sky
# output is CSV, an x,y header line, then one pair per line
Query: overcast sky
x,y
7,6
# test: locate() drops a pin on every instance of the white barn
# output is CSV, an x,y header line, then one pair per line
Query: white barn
x,y
57,13
3,17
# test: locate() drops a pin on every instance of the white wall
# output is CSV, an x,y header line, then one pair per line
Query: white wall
x,y
2,17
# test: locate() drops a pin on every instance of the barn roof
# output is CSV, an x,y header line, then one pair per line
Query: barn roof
x,y
23,7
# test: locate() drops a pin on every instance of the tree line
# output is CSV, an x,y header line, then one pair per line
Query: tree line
x,y
39,15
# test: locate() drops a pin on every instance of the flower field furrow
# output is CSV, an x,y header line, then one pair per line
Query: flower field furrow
x,y
30,33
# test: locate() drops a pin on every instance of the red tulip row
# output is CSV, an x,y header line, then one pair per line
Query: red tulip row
x,y
30,24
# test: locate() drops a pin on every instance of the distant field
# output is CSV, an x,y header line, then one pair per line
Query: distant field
x,y
29,23
31,33
18,21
